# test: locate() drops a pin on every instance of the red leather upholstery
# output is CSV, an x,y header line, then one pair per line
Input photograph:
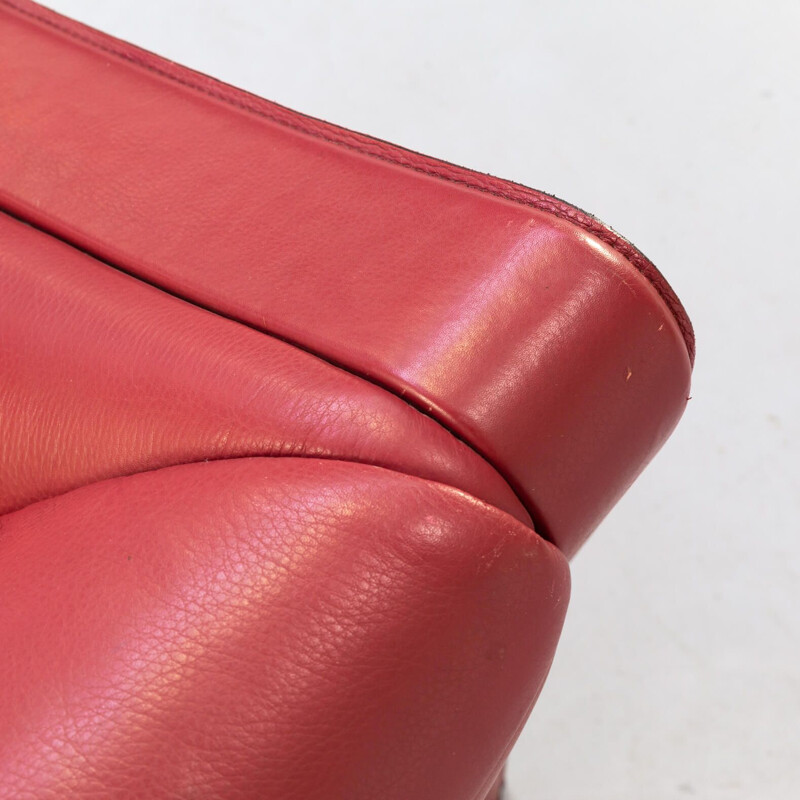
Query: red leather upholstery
x,y
398,268
398,368
105,376
264,627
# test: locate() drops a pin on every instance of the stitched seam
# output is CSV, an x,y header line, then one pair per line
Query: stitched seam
x,y
350,140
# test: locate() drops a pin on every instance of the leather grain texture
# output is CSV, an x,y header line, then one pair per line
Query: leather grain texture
x,y
526,334
272,628
298,430
103,375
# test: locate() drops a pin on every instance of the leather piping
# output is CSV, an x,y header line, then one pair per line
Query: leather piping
x,y
372,147
408,399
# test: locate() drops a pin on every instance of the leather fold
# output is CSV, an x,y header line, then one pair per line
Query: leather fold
x,y
525,327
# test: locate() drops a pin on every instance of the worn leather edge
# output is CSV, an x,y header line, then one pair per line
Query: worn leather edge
x,y
376,148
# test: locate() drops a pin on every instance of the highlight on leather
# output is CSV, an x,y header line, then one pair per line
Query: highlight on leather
x,y
518,323
298,430
136,379
269,628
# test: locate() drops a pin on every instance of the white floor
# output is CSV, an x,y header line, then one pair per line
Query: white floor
x,y
678,123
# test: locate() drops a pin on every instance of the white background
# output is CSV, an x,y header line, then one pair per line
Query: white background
x,y
678,674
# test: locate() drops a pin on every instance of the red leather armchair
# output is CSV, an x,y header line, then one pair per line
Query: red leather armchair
x,y
298,430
